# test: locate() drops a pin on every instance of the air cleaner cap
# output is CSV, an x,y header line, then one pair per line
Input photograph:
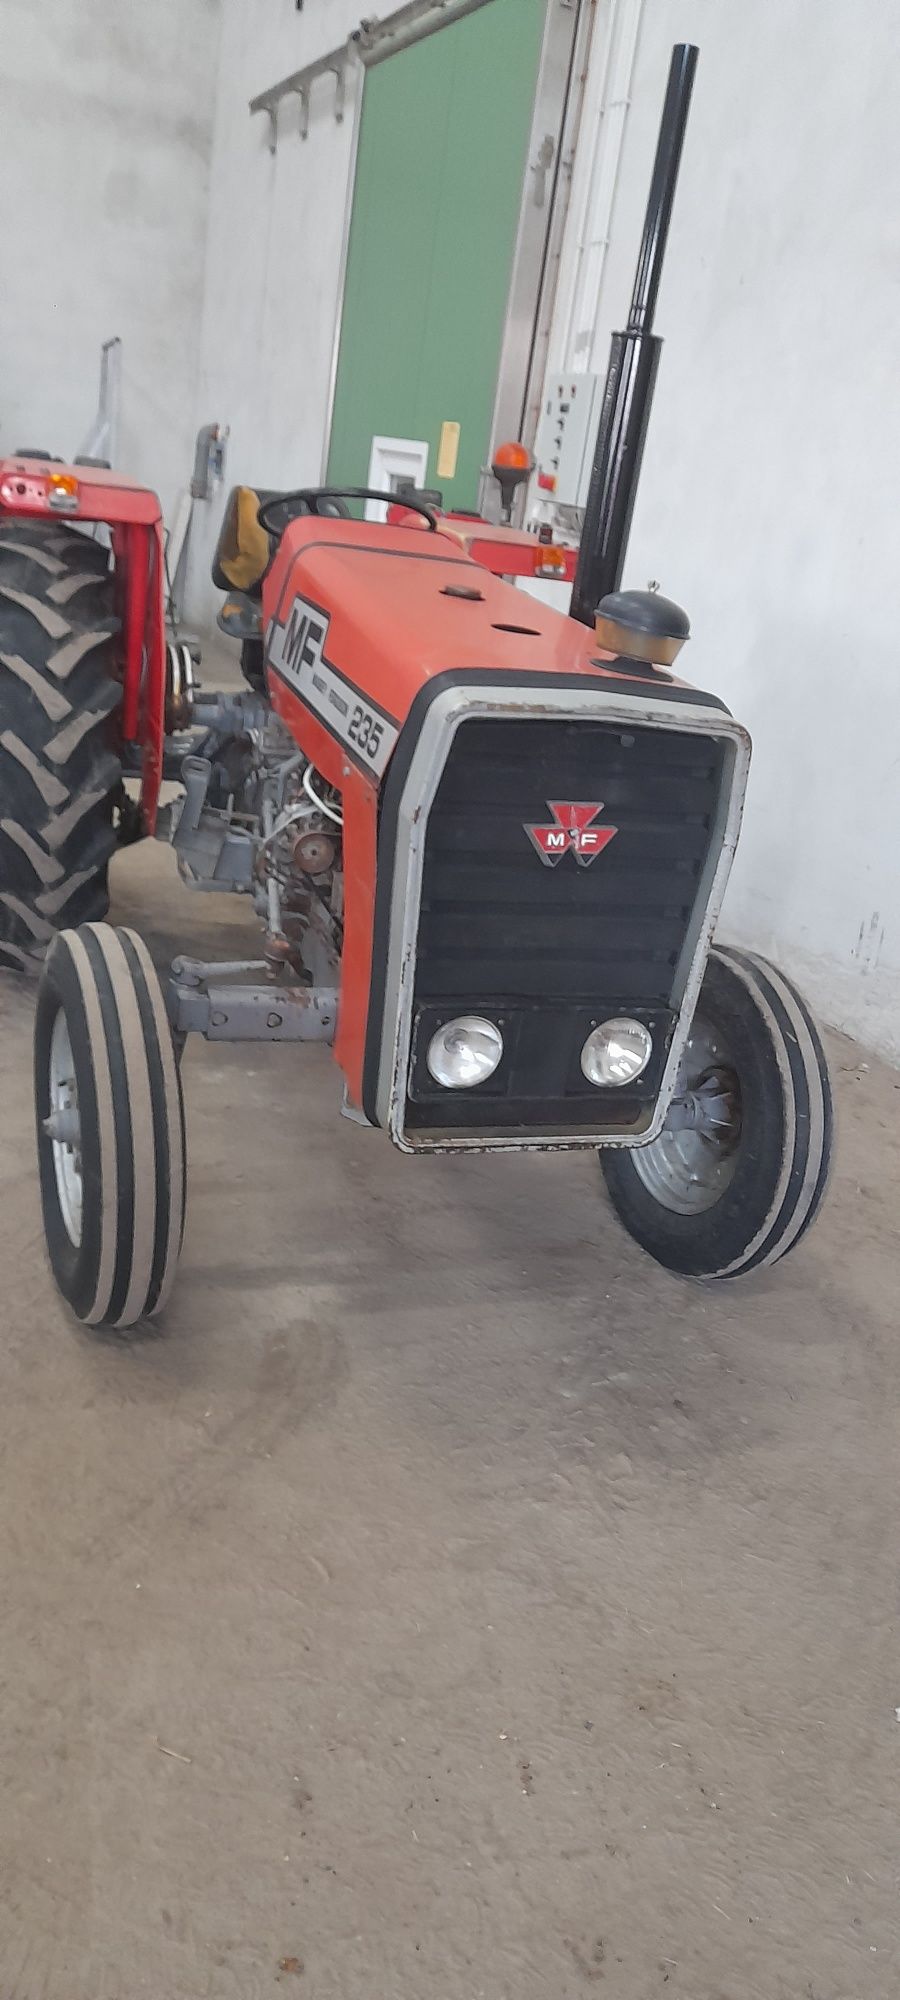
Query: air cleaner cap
x,y
642,625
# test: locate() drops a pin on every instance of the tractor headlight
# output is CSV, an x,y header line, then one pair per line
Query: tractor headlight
x,y
617,1052
464,1052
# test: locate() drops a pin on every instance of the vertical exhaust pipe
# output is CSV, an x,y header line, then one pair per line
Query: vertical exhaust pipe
x,y
633,362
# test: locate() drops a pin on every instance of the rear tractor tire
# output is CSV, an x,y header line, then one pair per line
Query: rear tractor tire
x,y
110,1126
60,771
740,1168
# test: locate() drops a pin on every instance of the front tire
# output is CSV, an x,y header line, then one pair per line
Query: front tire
x,y
740,1169
110,1126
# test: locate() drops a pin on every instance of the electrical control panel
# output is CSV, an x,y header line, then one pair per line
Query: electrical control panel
x,y
565,439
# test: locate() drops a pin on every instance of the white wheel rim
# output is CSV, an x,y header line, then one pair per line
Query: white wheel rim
x,y
689,1167
63,1129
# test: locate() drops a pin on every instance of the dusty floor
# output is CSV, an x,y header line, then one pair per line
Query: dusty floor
x,y
521,1622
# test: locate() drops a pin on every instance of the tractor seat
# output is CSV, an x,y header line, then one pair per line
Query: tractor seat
x,y
244,550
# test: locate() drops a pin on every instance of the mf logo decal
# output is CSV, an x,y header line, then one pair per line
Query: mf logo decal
x,y
572,832
296,652
304,638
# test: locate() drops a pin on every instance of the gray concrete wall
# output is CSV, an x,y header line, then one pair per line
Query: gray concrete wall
x,y
276,224
106,110
768,504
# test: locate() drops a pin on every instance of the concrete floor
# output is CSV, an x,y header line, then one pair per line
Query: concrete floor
x,y
444,1602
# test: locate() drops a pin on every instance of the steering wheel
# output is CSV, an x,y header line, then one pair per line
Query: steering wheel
x,y
307,499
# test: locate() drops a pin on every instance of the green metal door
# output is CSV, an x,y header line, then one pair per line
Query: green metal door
x,y
442,155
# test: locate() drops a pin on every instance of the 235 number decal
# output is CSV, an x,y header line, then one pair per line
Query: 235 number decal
x,y
365,731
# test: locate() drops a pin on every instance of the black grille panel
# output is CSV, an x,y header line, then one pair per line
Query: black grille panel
x,y
497,925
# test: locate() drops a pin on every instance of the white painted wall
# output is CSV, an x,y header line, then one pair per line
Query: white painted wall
x,y
769,498
273,259
106,114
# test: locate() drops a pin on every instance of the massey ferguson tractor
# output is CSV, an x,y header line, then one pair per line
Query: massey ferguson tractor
x,y
487,845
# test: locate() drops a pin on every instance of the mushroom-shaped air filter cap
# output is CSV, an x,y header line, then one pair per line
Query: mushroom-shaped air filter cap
x,y
642,625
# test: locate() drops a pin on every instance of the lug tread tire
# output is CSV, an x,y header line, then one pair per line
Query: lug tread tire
x,y
788,1133
60,770
132,1126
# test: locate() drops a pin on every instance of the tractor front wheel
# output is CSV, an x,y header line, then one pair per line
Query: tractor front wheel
x,y
60,772
110,1126
740,1168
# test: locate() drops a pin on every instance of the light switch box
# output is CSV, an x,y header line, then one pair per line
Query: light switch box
x,y
564,446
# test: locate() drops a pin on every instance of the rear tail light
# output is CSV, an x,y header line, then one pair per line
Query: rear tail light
x,y
62,492
550,562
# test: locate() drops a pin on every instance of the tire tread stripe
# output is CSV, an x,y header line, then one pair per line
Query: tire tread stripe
x,y
34,553
55,626
169,1111
67,739
38,927
54,900
64,823
175,1109
60,593
796,1109
161,1173
52,790
749,980
37,535
821,1062
45,865
67,657
52,700
25,960
141,1134
796,1207
74,944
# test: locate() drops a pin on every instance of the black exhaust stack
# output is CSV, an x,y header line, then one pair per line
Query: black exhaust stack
x,y
633,362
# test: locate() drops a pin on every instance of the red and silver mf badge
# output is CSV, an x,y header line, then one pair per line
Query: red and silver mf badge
x,y
572,832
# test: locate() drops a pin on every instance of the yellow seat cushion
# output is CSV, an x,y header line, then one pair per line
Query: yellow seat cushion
x,y
244,549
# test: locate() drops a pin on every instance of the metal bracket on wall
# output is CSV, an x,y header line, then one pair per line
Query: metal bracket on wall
x,y
299,84
372,42
100,442
340,91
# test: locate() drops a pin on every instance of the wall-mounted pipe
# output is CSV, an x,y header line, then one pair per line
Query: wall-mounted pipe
x,y
633,362
100,442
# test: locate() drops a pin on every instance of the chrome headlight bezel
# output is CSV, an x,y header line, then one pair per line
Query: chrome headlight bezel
x,y
622,1043
476,1056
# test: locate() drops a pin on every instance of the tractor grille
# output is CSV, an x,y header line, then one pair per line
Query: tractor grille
x,y
557,947
497,922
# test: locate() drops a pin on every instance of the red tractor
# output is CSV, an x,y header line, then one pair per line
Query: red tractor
x,y
487,844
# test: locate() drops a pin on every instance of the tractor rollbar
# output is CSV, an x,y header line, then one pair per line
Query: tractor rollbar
x,y
633,362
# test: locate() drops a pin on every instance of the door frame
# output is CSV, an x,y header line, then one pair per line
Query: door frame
x,y
527,291
544,199
355,109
